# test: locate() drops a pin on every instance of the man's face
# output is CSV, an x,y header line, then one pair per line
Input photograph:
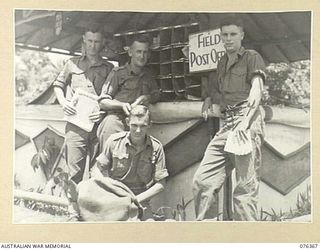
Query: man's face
x,y
93,43
139,53
231,36
138,127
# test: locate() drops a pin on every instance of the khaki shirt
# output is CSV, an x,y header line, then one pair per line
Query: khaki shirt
x,y
232,84
78,73
126,86
139,170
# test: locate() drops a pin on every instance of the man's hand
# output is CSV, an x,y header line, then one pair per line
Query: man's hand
x,y
206,108
152,191
242,125
126,107
97,116
68,108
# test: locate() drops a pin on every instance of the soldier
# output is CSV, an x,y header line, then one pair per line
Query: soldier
x,y
127,86
135,158
87,72
240,80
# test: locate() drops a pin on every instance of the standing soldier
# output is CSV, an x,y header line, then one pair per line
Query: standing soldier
x,y
240,79
89,73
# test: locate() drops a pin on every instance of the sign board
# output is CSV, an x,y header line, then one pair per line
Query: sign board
x,y
205,50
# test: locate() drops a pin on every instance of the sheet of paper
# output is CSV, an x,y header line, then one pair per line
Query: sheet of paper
x,y
85,104
239,142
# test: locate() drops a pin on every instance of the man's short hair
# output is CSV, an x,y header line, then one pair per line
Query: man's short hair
x,y
142,38
140,111
232,20
95,28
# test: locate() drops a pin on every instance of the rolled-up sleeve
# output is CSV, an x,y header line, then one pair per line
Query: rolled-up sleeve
x,y
110,87
105,158
63,79
210,88
256,66
161,171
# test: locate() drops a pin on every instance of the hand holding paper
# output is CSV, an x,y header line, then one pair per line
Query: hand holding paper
x,y
87,110
239,142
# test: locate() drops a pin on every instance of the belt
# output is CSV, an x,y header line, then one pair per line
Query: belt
x,y
232,113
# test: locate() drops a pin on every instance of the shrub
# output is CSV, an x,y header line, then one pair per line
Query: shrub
x,y
288,84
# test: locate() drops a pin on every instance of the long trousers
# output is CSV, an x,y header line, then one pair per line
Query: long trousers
x,y
111,124
218,164
79,144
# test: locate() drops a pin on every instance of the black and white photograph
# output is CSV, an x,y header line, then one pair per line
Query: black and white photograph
x,y
143,116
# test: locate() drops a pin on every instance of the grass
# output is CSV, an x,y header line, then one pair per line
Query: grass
x,y
168,213
302,207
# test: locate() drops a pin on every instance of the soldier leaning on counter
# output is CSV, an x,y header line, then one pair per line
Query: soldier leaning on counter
x,y
240,77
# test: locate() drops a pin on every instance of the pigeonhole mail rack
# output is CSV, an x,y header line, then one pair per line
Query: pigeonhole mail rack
x,y
167,62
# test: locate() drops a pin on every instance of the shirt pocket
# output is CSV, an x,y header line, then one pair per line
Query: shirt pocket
x,y
146,169
120,164
237,80
129,85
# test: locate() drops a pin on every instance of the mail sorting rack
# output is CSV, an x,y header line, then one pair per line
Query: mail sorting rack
x,y
167,61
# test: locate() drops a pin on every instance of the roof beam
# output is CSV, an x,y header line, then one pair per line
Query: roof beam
x,y
43,50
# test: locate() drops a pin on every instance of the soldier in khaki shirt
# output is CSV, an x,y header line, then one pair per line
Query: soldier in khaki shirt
x,y
126,87
238,90
89,73
134,158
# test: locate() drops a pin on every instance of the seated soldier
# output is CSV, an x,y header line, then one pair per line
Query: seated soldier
x,y
135,158
125,87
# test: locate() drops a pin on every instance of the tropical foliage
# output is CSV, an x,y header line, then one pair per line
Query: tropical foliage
x,y
34,72
288,84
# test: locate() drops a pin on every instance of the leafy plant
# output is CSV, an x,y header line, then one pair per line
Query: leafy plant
x,y
303,207
273,216
34,72
288,84
181,209
168,213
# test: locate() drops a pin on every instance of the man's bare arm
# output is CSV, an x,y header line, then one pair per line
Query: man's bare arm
x,y
67,107
143,100
152,191
112,104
